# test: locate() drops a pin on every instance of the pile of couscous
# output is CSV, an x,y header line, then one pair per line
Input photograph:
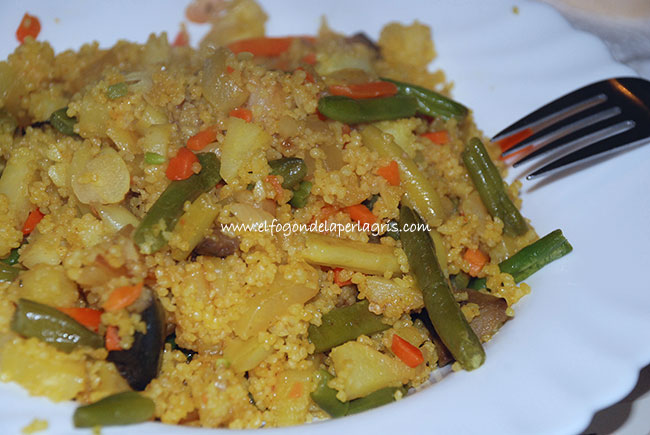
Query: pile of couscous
x,y
157,213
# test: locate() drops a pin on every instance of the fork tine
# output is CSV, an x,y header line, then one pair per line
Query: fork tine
x,y
607,146
564,127
585,136
567,105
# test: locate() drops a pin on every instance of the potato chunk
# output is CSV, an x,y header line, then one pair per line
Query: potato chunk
x,y
48,285
101,177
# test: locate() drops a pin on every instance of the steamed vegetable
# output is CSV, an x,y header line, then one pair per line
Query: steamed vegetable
x,y
429,102
119,409
345,324
141,362
365,90
62,122
491,188
50,325
358,256
351,111
165,212
532,258
301,194
444,312
292,170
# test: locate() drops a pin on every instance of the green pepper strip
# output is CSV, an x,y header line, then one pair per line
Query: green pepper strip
x,y
292,170
492,189
117,90
118,409
168,208
301,195
8,273
12,258
345,324
532,258
351,111
431,103
444,311
52,326
325,397
62,122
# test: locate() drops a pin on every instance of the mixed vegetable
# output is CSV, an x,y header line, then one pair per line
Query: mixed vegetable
x,y
446,313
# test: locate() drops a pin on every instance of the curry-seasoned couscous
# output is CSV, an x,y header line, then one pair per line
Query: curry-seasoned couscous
x,y
157,214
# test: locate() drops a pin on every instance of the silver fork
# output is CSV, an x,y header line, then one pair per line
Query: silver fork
x,y
591,122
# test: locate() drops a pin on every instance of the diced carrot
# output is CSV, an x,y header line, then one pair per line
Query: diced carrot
x,y
476,259
182,38
438,137
180,166
409,354
265,46
279,191
325,213
309,58
337,278
296,391
33,219
29,26
230,69
122,297
242,113
390,172
365,90
89,317
112,339
202,139
509,141
361,214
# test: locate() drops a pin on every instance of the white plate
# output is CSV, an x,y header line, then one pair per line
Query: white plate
x,y
579,339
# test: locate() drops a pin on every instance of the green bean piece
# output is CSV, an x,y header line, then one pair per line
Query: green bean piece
x,y
154,158
345,324
351,111
12,258
168,208
117,90
118,409
370,202
444,312
325,397
301,195
292,170
374,400
32,319
431,103
62,122
461,280
393,229
8,273
476,283
492,189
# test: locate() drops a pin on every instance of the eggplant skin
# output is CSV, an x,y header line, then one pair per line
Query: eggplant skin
x,y
141,363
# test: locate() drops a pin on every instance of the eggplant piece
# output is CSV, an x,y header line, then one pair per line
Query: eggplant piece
x,y
490,319
141,363
217,245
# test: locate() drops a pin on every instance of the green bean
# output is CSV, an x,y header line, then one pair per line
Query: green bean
x,y
168,208
8,273
461,280
117,90
62,122
301,195
345,324
370,202
154,158
32,319
444,311
351,111
325,397
374,400
393,229
532,258
492,189
431,103
118,409
292,170
12,258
